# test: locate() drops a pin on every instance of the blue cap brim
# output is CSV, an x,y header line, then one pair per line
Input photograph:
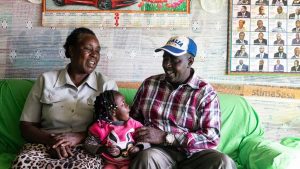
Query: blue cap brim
x,y
172,50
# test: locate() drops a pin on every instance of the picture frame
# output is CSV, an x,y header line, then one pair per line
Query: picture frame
x,y
263,37
115,13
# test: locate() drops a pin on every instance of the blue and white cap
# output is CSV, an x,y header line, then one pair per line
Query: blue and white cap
x,y
179,45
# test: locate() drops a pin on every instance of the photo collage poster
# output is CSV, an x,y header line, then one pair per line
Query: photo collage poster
x,y
265,36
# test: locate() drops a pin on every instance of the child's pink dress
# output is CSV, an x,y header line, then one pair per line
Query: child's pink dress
x,y
113,134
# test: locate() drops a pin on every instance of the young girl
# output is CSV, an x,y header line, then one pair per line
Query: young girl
x,y
111,134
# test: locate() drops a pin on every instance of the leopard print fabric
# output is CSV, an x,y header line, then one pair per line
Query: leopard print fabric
x,y
36,156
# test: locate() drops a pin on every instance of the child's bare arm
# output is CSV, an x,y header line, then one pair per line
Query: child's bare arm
x,y
138,147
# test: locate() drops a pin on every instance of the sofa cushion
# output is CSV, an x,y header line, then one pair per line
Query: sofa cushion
x,y
13,94
6,160
241,132
239,123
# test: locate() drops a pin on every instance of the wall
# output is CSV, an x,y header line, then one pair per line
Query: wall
x,y
27,49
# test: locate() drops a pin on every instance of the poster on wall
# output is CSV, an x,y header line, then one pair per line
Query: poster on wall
x,y
264,36
116,13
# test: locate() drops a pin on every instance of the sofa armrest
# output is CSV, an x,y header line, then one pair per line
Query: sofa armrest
x,y
256,153
6,160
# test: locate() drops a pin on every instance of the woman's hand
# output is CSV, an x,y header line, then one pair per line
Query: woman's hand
x,y
63,142
150,135
67,139
60,152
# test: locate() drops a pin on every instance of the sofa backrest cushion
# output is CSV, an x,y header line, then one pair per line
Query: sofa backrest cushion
x,y
240,122
13,94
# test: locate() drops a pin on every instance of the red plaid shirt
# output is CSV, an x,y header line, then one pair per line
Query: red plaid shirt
x,y
191,111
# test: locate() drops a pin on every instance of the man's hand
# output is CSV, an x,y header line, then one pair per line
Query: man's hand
x,y
150,135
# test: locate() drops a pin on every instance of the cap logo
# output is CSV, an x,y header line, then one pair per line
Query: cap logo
x,y
179,45
176,41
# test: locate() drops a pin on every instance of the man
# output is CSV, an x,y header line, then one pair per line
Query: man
x,y
262,2
296,40
243,2
279,40
278,67
297,28
241,67
262,54
241,39
296,53
261,65
279,2
181,115
279,27
241,53
260,26
280,14
295,15
260,39
243,13
261,12
280,54
296,67
296,2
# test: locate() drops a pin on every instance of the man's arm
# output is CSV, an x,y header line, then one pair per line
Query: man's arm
x,y
208,134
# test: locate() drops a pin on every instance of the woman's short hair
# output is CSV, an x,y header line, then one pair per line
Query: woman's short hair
x,y
73,38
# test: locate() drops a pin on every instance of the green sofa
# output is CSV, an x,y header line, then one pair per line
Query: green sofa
x,y
241,134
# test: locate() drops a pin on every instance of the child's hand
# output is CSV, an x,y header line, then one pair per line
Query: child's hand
x,y
113,150
132,151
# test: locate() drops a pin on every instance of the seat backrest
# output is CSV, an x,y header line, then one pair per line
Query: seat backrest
x,y
239,122
13,94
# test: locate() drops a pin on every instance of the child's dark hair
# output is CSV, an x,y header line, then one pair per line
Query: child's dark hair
x,y
104,105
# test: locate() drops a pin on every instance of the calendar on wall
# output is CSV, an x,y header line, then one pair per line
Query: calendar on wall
x,y
116,13
264,36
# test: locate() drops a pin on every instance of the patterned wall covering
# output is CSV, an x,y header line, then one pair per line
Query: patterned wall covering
x,y
27,49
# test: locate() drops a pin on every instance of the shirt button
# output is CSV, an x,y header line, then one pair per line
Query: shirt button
x,y
72,110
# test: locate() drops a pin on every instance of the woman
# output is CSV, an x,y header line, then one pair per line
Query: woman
x,y
59,108
241,25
